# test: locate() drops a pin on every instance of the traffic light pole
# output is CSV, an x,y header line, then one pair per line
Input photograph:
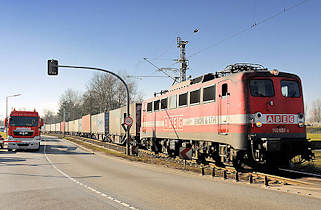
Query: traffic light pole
x,y
112,73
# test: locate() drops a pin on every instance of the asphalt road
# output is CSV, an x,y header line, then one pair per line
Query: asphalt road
x,y
62,176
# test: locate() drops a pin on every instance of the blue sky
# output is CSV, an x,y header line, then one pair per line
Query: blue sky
x,y
117,35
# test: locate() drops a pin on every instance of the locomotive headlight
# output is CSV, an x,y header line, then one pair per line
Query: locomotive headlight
x,y
301,124
258,124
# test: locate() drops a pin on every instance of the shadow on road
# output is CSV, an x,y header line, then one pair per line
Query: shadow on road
x,y
50,140
11,159
45,175
61,149
6,152
52,149
31,164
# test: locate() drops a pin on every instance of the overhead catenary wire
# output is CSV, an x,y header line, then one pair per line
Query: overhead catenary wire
x,y
284,10
161,70
144,76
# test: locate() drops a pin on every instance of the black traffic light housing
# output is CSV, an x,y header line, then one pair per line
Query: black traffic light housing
x,y
52,67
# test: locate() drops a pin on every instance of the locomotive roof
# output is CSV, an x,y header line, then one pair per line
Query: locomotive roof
x,y
230,70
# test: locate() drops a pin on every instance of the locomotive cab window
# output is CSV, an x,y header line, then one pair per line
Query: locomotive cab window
x,y
149,106
195,96
261,88
182,99
172,102
209,93
156,105
164,103
290,89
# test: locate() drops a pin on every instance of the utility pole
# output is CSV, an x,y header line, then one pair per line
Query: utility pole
x,y
7,111
182,60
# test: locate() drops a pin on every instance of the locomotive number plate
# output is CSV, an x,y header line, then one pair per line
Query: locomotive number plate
x,y
280,130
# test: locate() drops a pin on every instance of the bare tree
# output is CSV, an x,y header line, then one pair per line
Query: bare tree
x,y
69,105
105,92
49,117
316,111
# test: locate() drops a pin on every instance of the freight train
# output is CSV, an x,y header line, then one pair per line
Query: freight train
x,y
242,114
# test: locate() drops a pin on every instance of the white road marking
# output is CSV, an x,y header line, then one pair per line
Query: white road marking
x,y
85,186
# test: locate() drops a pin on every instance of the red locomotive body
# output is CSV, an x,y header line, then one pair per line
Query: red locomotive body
x,y
244,113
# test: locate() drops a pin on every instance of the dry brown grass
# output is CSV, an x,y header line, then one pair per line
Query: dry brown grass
x,y
312,166
3,134
314,136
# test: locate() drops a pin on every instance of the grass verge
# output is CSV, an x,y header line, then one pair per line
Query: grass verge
x,y
3,134
314,136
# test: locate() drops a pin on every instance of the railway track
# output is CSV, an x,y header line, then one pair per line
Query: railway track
x,y
209,168
300,172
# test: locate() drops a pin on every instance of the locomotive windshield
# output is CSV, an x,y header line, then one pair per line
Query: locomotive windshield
x,y
290,88
261,88
23,121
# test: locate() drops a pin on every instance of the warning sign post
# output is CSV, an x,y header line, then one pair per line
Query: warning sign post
x,y
186,154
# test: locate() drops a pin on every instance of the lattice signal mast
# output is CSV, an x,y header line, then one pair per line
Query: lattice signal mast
x,y
182,60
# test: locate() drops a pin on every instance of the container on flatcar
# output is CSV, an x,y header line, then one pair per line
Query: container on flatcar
x,y
79,126
47,128
98,123
52,128
85,125
76,124
62,127
67,127
72,127
107,123
117,133
43,129
57,127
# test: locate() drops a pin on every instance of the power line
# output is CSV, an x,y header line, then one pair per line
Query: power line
x,y
284,10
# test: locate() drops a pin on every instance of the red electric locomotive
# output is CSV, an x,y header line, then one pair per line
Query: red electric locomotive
x,y
244,113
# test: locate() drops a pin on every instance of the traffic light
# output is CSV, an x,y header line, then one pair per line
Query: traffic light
x,y
52,67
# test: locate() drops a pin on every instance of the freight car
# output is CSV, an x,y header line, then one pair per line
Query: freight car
x,y
243,114
116,131
100,127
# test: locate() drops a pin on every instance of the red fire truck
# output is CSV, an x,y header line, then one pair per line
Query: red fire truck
x,y
23,130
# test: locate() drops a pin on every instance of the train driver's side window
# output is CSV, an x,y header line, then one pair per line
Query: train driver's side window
x,y
224,90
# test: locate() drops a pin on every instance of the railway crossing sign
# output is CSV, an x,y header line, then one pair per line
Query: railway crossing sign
x,y
185,153
128,121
